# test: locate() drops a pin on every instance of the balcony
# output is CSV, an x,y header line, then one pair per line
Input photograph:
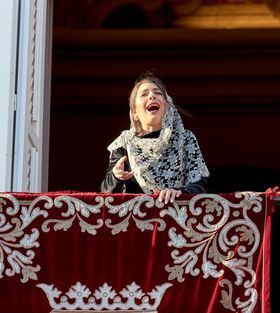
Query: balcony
x,y
94,252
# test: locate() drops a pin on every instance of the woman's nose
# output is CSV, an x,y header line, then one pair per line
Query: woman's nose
x,y
152,95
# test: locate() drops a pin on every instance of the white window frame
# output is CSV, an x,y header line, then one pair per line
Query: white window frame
x,y
9,11
24,126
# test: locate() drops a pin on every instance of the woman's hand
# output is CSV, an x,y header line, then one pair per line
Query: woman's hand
x,y
119,172
168,195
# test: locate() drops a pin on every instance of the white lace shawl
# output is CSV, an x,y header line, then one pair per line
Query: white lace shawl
x,y
173,160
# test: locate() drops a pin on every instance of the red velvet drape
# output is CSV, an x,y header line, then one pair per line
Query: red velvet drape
x,y
212,250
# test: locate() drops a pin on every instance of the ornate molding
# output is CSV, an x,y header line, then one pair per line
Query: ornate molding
x,y
92,14
228,15
206,14
33,59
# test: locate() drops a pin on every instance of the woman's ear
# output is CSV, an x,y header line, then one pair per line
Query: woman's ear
x,y
135,116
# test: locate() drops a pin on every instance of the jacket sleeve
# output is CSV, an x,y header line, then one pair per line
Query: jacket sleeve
x,y
197,187
110,183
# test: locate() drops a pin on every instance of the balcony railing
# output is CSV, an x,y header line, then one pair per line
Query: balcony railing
x,y
92,252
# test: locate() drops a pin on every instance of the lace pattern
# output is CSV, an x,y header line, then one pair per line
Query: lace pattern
x,y
173,160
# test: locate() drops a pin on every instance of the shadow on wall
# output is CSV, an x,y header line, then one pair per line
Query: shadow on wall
x,y
225,179
129,16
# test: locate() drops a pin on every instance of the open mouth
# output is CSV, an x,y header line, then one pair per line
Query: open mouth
x,y
153,107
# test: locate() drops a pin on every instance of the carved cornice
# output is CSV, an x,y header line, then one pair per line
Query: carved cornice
x,y
230,16
197,14
90,14
67,38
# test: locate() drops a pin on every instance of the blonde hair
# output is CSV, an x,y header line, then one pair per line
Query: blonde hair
x,y
146,77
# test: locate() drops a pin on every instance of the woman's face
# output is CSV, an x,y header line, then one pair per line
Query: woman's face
x,y
150,106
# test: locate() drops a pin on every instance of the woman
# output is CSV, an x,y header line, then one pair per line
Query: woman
x,y
156,155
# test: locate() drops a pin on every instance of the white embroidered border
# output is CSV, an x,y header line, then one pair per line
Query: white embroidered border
x,y
105,298
209,239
